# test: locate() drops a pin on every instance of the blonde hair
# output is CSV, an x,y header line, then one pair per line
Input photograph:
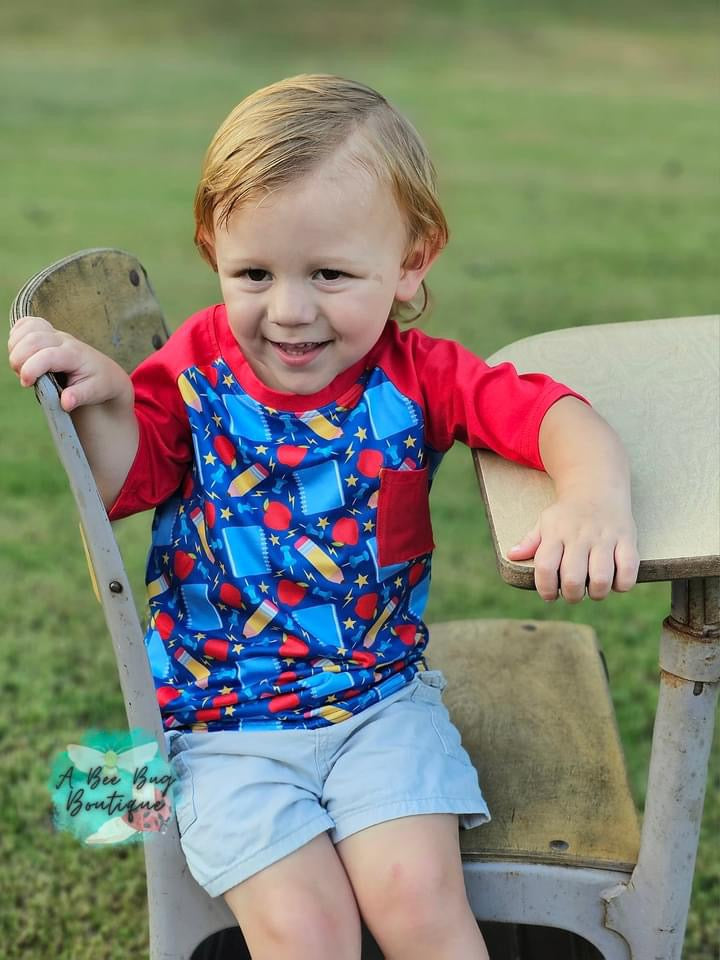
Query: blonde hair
x,y
282,132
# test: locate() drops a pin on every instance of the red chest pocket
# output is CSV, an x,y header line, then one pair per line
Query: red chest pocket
x,y
404,529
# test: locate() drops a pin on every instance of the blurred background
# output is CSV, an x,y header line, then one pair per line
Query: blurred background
x,y
576,146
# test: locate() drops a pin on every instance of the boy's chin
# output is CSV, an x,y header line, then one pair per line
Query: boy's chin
x,y
304,386
302,380
298,382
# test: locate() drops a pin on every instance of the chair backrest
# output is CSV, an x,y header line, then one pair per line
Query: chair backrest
x,y
101,296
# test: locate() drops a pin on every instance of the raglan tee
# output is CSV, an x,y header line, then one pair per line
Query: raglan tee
x,y
290,558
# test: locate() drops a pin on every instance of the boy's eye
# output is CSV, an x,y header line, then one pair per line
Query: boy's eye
x,y
255,274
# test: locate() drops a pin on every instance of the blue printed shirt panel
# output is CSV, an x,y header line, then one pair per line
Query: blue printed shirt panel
x,y
275,599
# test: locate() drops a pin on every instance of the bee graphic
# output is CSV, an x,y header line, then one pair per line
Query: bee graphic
x,y
142,820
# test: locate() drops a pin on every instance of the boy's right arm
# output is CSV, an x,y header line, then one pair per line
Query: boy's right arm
x,y
98,395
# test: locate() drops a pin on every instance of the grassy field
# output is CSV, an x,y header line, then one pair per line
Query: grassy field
x,y
577,152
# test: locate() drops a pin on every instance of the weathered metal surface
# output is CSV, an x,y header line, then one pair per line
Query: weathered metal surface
x,y
550,896
651,910
101,296
78,294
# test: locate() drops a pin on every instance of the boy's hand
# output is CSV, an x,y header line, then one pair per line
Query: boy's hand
x,y
582,539
35,347
98,394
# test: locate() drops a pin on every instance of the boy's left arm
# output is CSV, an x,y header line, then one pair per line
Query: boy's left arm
x,y
588,535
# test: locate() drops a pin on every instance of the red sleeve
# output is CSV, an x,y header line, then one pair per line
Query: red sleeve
x,y
481,405
165,449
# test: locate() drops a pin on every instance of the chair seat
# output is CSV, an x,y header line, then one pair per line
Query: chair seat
x,y
532,703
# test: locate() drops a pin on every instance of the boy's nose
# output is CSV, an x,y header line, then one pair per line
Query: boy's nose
x,y
290,305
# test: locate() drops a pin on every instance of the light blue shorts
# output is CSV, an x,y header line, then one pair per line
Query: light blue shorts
x,y
246,799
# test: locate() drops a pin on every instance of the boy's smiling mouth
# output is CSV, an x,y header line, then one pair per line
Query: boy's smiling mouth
x,y
300,353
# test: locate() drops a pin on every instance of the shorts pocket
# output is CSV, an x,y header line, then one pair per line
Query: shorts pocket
x,y
404,528
183,794
429,685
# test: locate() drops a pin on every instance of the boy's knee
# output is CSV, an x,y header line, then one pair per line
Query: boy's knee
x,y
300,923
418,902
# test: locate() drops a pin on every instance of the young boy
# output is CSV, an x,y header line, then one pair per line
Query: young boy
x,y
288,438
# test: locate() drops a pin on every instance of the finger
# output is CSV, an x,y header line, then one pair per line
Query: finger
x,y
574,571
25,325
70,399
54,358
548,559
80,394
30,343
526,547
601,569
627,563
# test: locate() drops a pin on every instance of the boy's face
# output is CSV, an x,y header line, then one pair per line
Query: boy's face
x,y
309,274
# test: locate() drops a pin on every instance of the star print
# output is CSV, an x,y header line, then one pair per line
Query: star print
x,y
361,580
352,480
165,558
361,433
228,380
398,582
217,420
226,513
229,711
200,636
342,651
237,647
261,449
210,458
409,441
275,541
264,587
349,624
368,526
323,522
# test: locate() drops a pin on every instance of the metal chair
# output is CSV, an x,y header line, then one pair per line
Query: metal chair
x,y
531,698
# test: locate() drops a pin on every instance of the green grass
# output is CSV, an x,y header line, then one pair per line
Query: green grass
x,y
576,147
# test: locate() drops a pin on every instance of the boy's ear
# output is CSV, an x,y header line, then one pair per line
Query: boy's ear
x,y
413,271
